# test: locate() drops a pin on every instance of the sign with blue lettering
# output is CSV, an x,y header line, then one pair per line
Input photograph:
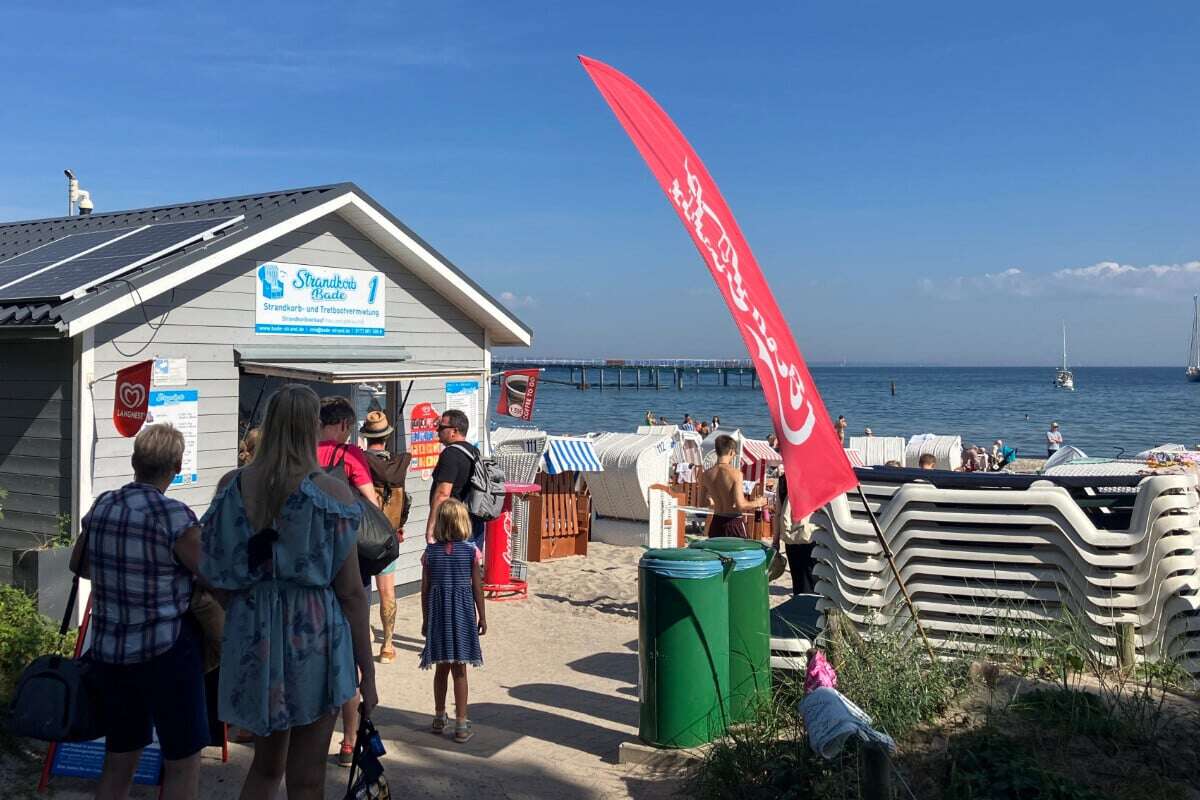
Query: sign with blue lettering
x,y
303,300
86,760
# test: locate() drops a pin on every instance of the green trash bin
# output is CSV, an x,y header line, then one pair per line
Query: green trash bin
x,y
749,624
683,647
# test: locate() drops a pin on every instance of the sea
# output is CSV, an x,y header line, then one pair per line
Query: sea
x,y
1114,410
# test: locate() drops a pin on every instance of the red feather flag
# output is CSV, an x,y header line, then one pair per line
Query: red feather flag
x,y
813,457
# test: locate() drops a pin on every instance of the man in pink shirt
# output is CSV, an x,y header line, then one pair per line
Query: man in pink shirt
x,y
337,420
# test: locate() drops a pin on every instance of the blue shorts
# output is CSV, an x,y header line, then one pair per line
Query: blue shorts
x,y
165,694
478,532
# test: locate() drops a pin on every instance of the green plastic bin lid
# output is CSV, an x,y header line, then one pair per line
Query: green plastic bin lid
x,y
681,562
746,553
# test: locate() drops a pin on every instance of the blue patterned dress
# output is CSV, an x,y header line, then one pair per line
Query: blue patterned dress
x,y
452,633
287,658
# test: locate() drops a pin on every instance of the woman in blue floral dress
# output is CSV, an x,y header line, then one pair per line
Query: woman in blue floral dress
x,y
277,540
452,612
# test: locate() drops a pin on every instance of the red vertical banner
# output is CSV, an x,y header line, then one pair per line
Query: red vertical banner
x,y
423,441
518,391
816,465
131,398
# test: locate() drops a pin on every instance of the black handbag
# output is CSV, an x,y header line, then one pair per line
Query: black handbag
x,y
56,699
378,544
366,780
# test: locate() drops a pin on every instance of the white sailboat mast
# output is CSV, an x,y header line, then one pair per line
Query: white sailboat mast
x,y
1064,366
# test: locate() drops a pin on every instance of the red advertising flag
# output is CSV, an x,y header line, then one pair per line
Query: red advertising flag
x,y
518,390
424,444
813,458
132,395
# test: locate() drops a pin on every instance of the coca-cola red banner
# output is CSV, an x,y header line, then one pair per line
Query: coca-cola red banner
x,y
132,395
518,390
813,458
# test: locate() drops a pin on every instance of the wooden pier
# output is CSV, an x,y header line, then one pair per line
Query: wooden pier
x,y
637,374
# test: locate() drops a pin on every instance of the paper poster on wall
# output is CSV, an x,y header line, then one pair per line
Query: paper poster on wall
x,y
181,408
423,440
169,372
304,300
466,397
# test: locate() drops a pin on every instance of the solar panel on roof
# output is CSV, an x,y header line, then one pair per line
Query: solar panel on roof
x,y
74,277
42,257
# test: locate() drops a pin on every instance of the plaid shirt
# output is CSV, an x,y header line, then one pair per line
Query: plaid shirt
x,y
140,592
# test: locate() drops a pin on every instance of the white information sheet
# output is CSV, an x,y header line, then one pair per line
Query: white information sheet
x,y
466,397
180,408
169,372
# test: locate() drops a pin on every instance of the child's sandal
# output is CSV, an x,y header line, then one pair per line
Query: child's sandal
x,y
439,723
462,731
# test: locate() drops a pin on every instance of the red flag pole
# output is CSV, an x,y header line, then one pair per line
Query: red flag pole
x,y
887,551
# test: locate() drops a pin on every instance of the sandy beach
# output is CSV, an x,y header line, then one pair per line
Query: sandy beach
x,y
555,698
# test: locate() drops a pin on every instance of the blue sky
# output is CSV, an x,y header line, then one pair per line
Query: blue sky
x,y
921,182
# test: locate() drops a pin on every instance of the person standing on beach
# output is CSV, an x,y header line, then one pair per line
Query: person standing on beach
x,y
649,417
452,475
722,486
840,427
452,612
1054,440
333,449
388,473
716,423
687,425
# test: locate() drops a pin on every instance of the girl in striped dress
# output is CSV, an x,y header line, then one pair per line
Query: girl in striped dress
x,y
452,612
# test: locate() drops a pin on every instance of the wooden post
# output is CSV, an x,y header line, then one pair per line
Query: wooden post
x,y
602,379
656,378
583,378
620,378
875,771
1126,652
637,378
724,377
753,379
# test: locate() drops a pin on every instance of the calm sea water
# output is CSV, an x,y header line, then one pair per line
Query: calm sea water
x,y
1131,408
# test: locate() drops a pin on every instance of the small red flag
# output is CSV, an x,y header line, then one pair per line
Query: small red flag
x,y
132,395
813,458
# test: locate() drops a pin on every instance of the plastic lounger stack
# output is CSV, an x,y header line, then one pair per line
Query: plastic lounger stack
x,y
985,563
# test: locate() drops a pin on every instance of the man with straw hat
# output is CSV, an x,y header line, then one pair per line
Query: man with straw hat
x,y
388,473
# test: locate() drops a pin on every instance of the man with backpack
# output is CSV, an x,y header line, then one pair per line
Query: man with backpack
x,y
460,472
388,473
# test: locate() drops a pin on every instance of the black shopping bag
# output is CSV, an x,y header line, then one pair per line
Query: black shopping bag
x,y
366,772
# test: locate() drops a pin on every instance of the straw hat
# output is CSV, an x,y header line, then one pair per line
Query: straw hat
x,y
376,425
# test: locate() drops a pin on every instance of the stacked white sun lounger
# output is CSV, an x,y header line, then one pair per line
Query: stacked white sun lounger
x,y
985,564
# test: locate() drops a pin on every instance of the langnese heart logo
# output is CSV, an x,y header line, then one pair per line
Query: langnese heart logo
x,y
133,395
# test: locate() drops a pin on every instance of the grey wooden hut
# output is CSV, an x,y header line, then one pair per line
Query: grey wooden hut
x,y
82,297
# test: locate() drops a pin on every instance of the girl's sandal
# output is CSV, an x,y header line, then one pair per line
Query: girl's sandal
x,y
439,724
462,731
387,655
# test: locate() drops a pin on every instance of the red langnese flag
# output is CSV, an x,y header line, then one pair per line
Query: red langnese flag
x,y
813,457
131,398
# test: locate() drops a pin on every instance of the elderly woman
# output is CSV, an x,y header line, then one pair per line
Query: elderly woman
x,y
140,548
279,539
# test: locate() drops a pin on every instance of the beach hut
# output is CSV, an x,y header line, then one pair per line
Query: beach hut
x,y
631,463
877,450
946,449
227,299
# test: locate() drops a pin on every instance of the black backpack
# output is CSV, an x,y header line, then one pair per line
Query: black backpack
x,y
378,544
55,699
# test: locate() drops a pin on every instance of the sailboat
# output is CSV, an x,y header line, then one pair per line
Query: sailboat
x,y
1064,378
1193,369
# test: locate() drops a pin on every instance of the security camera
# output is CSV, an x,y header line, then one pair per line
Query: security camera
x,y
85,202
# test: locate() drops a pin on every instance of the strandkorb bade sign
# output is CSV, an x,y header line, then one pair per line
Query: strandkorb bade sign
x,y
305,300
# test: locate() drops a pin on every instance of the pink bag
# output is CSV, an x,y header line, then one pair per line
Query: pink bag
x,y
819,673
